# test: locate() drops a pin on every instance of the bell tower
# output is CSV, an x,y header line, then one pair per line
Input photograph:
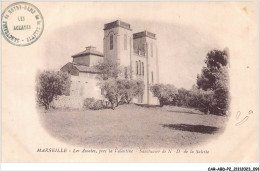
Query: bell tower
x,y
118,42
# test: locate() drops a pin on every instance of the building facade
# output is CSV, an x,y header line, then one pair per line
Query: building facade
x,y
135,51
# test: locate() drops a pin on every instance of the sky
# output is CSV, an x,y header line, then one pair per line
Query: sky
x,y
185,33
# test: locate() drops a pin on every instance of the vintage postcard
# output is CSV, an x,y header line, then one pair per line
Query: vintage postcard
x,y
129,81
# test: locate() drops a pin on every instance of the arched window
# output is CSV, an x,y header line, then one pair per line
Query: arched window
x,y
136,67
140,67
125,42
111,42
152,76
143,68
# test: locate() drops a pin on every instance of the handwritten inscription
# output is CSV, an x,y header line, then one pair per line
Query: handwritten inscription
x,y
242,118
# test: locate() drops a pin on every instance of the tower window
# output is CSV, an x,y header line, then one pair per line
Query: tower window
x,y
125,42
139,67
151,49
152,76
136,67
111,42
143,68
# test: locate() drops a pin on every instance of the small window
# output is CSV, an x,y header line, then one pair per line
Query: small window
x,y
140,67
152,77
111,42
125,42
143,68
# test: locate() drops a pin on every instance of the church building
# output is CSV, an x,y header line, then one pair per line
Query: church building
x,y
136,51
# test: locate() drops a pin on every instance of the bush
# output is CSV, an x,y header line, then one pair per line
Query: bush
x,y
183,97
88,103
98,105
166,94
91,103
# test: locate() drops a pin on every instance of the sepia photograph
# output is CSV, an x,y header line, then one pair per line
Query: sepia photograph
x,y
129,81
123,81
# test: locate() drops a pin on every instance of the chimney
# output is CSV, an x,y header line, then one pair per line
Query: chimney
x,y
90,48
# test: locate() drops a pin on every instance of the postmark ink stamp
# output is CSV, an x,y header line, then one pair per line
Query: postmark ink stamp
x,y
22,24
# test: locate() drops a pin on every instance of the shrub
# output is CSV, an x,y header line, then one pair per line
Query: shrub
x,y
183,97
166,94
91,103
98,105
88,103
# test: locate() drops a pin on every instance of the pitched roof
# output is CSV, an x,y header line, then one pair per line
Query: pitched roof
x,y
74,69
89,51
86,69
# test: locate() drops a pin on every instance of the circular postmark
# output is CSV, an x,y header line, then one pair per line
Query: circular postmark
x,y
22,24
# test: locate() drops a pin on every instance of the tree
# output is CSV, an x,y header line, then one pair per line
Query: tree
x,y
166,94
119,91
116,83
215,77
221,94
49,85
110,91
129,89
108,69
215,59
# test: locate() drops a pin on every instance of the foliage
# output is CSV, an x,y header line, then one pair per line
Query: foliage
x,y
119,91
49,85
88,103
116,85
109,68
99,104
215,77
183,97
211,95
91,103
166,93
222,91
110,91
128,89
215,60
202,100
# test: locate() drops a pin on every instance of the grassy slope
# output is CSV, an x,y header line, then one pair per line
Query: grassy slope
x,y
133,126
